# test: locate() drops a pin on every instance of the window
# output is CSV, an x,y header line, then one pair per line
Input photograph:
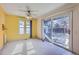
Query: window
x,y
24,27
27,27
21,27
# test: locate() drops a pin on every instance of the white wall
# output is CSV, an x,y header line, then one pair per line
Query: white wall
x,y
76,29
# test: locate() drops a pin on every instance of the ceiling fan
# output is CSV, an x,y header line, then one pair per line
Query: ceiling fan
x,y
28,11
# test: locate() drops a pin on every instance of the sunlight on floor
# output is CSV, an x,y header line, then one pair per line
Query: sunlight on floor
x,y
30,48
18,48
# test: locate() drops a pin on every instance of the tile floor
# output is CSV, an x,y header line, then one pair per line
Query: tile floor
x,y
33,47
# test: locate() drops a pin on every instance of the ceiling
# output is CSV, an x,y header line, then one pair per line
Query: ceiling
x,y
39,8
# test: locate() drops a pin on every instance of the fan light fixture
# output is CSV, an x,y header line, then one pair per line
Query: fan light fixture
x,y
28,12
29,17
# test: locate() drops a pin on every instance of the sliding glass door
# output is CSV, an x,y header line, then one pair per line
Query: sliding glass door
x,y
57,30
61,31
47,29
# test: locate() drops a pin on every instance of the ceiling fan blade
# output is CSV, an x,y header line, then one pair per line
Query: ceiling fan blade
x,y
23,10
33,10
34,14
29,12
27,8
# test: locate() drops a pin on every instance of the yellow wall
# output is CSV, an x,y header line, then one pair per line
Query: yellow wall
x,y
39,28
12,32
12,26
34,28
2,17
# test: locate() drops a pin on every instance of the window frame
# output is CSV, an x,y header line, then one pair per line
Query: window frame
x,y
27,26
20,27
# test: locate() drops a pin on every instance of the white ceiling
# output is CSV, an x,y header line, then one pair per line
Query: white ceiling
x,y
40,8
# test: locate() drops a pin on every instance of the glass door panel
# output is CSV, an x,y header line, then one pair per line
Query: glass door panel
x,y
61,31
47,29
